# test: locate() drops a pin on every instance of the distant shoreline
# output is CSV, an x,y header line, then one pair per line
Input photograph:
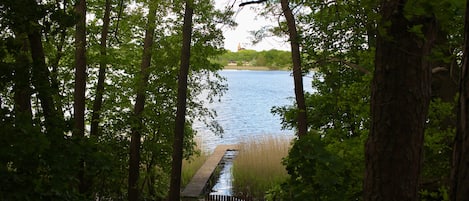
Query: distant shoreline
x,y
260,68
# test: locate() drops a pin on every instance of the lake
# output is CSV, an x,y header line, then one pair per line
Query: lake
x,y
244,111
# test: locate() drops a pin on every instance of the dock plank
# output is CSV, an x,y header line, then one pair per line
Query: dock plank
x,y
198,183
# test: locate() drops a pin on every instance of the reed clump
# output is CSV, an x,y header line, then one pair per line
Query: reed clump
x,y
190,167
258,165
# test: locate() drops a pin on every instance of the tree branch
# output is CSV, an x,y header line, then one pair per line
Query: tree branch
x,y
251,2
351,65
439,69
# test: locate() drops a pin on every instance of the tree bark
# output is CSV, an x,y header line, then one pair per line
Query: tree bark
x,y
80,70
80,85
22,89
55,62
98,101
297,71
175,185
460,170
41,83
401,90
135,141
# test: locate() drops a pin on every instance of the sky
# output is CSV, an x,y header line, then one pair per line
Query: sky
x,y
248,20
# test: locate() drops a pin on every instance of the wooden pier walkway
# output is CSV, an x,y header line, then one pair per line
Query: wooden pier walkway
x,y
198,184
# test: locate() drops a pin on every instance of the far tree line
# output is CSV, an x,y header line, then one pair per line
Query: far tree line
x,y
274,59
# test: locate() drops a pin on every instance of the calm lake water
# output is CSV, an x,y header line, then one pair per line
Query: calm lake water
x,y
244,111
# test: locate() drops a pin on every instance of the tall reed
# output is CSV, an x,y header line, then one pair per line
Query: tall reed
x,y
190,167
258,165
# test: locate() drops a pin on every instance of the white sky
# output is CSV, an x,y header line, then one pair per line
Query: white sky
x,y
248,20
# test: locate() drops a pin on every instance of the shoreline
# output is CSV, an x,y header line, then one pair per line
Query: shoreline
x,y
259,68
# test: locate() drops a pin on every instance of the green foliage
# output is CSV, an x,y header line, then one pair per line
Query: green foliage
x,y
339,110
441,194
439,136
40,165
337,40
338,43
35,166
315,172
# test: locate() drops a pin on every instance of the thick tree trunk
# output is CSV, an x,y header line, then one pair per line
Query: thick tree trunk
x,y
400,97
175,185
41,83
80,70
135,141
98,101
80,86
22,89
460,166
297,71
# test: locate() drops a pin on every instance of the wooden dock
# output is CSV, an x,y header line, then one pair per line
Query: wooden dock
x,y
198,184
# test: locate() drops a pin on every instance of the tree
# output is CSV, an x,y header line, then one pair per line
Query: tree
x,y
177,156
339,107
339,44
399,104
23,112
97,105
137,128
36,143
40,73
80,83
294,38
459,171
38,156
80,69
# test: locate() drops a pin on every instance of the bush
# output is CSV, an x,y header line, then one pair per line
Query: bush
x,y
315,173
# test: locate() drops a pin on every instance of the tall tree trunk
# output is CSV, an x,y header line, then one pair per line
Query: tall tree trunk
x,y
80,85
460,170
55,62
98,101
400,97
80,70
22,89
297,71
41,83
175,185
55,84
135,141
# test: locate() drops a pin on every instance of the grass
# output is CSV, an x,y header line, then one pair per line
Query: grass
x,y
190,167
257,167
